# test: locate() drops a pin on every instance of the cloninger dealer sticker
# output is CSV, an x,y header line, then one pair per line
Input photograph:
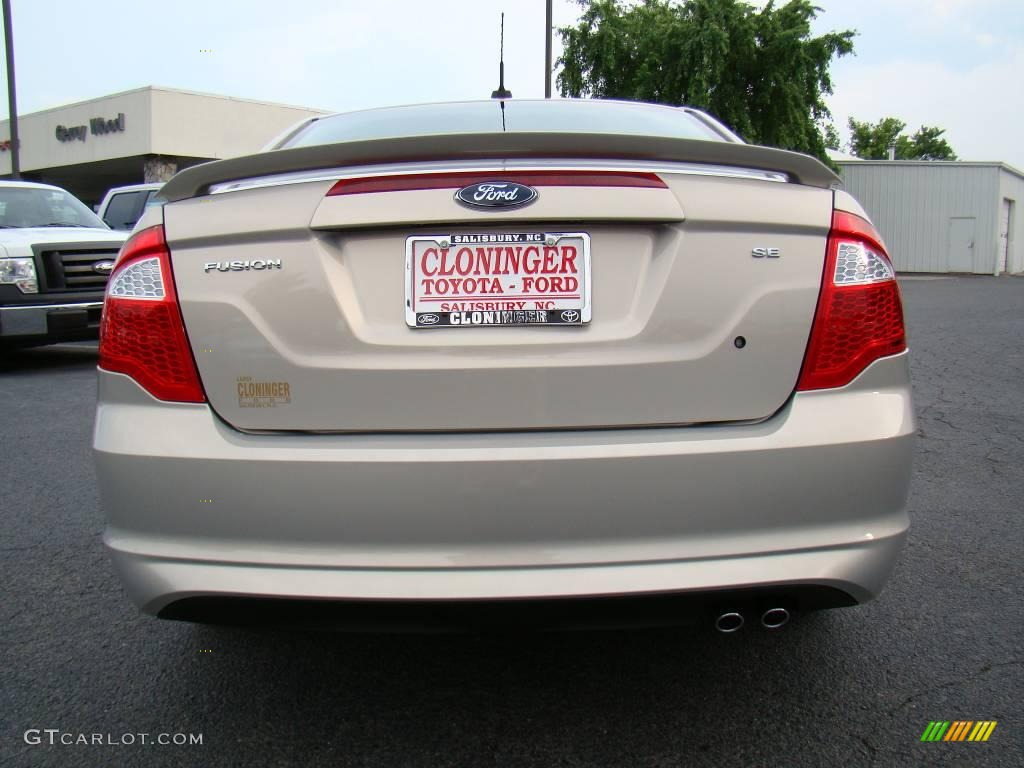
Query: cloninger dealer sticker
x,y
497,278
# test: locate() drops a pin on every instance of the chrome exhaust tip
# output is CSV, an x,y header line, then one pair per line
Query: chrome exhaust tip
x,y
774,618
729,622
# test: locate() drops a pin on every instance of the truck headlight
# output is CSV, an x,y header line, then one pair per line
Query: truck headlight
x,y
20,272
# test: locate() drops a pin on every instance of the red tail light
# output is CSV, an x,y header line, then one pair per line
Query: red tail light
x,y
142,333
860,316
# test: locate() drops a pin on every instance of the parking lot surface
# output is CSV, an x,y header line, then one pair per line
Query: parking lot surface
x,y
856,686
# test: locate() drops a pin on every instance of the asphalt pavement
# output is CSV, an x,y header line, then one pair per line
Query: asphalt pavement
x,y
855,686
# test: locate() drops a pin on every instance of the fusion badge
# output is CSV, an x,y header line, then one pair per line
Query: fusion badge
x,y
241,266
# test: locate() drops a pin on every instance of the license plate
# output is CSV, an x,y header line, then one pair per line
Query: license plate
x,y
497,279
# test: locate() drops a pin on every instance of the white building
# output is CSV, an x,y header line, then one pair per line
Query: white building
x,y
146,134
943,216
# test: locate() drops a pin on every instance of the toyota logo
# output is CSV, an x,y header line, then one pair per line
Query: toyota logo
x,y
570,316
496,194
429,319
103,267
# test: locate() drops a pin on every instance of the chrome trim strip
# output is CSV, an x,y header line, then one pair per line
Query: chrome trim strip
x,y
540,164
81,305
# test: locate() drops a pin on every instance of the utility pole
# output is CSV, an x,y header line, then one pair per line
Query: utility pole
x,y
12,99
547,50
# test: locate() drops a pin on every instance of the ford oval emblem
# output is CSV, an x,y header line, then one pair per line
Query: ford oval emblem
x,y
496,194
429,319
103,267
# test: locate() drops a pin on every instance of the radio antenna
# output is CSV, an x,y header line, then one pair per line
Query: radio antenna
x,y
502,92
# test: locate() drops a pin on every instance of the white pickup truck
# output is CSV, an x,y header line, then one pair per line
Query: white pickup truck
x,y
55,258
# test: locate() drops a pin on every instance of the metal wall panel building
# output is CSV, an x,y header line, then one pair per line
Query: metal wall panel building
x,y
943,216
1011,220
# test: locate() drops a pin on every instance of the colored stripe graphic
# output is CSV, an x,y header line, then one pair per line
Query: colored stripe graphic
x,y
983,730
935,730
958,730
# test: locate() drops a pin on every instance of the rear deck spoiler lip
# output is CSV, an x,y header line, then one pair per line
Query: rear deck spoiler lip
x,y
196,181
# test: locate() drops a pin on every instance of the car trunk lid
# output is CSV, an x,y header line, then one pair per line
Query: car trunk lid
x,y
701,292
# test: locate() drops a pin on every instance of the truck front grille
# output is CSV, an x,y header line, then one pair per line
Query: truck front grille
x,y
74,269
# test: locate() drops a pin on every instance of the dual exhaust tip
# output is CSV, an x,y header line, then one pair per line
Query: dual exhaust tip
x,y
733,621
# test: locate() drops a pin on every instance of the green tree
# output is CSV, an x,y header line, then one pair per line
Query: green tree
x,y
871,141
758,71
928,144
831,136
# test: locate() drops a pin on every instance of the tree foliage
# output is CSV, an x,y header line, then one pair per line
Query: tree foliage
x,y
831,136
759,71
871,141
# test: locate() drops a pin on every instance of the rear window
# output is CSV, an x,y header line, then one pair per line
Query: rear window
x,y
548,116
124,209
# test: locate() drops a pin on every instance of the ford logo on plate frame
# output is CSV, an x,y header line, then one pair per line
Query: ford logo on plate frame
x,y
496,194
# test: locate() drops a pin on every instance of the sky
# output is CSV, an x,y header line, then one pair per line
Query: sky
x,y
956,64
952,63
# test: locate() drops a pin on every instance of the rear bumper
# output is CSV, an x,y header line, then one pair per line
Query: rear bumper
x,y
602,612
50,323
813,497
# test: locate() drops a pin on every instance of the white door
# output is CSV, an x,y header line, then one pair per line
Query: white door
x,y
1004,236
961,244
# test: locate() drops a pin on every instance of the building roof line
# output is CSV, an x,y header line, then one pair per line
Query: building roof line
x,y
936,164
264,102
165,89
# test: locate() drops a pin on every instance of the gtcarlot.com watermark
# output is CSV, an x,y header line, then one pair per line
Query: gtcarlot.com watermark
x,y
55,736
